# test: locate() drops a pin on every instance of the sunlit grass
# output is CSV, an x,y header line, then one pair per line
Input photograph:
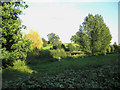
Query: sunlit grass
x,y
47,47
22,67
51,68
43,67
92,72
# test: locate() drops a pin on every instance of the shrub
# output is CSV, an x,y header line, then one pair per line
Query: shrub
x,y
71,47
77,48
58,53
68,54
109,49
44,42
44,54
37,53
112,48
63,46
55,47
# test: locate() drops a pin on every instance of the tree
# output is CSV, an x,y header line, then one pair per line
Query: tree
x,y
53,39
94,36
44,42
71,47
14,46
115,46
35,37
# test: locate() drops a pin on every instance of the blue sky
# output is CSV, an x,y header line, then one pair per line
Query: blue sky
x,y
64,18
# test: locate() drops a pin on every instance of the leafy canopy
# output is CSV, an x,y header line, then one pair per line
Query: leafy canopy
x,y
35,37
14,46
94,36
53,39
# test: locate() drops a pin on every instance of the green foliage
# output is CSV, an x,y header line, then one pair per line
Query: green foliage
x,y
100,77
38,53
45,54
81,71
35,38
53,39
94,36
109,49
58,53
116,47
68,54
71,47
112,48
119,49
57,45
21,66
14,46
63,46
44,42
77,48
47,47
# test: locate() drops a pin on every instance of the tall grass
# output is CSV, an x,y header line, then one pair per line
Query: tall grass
x,y
53,68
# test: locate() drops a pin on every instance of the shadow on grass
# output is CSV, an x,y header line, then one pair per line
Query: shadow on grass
x,y
44,66
11,74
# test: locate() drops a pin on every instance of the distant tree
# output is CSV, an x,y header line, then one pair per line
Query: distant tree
x,y
63,46
71,47
53,39
109,49
112,48
14,45
57,45
116,47
77,48
115,43
94,36
35,37
44,42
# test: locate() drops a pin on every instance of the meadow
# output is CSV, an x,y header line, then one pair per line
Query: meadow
x,y
29,61
100,71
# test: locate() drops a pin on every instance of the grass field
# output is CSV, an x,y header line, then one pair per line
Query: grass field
x,y
47,47
72,72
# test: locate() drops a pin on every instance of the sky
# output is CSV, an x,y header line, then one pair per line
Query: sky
x,y
63,17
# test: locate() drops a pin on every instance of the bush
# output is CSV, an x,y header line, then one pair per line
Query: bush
x,y
37,53
58,53
63,46
117,48
112,48
44,54
44,45
68,54
55,47
71,47
109,49
77,48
